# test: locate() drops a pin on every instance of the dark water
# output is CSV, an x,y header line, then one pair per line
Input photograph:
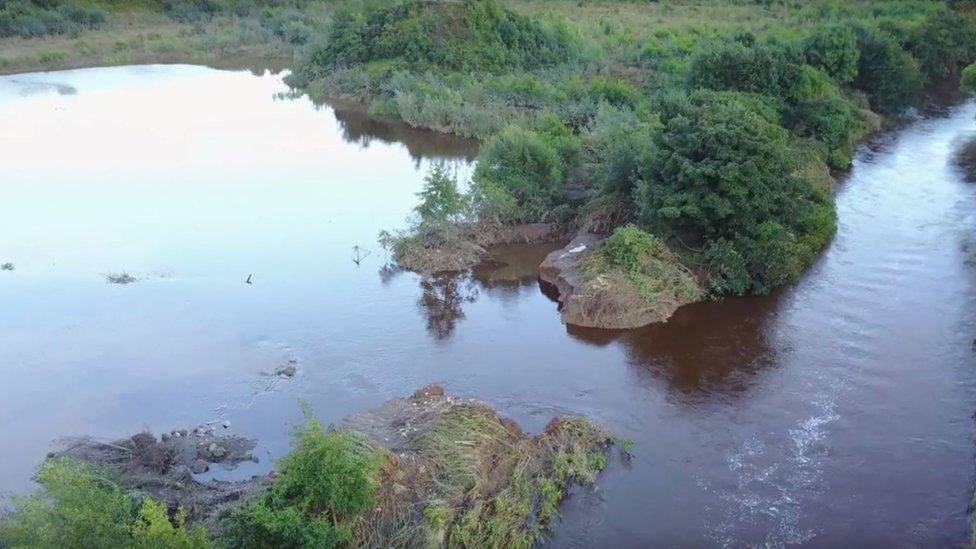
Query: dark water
x,y
834,413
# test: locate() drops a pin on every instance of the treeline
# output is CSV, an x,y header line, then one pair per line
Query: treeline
x,y
717,141
35,18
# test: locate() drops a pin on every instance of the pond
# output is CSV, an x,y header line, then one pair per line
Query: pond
x,y
837,411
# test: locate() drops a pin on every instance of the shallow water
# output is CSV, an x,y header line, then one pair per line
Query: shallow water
x,y
836,412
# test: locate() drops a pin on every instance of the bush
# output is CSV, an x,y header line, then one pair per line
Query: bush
x,y
440,200
833,49
324,484
943,42
886,73
771,69
470,36
518,177
76,507
968,80
725,177
34,18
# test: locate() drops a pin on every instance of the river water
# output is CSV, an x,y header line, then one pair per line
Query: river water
x,y
835,412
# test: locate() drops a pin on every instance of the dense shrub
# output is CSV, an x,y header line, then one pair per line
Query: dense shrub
x,y
471,35
771,69
34,18
833,49
886,73
724,176
943,43
324,484
441,201
518,178
76,507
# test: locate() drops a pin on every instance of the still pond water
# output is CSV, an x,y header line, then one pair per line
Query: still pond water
x,y
836,412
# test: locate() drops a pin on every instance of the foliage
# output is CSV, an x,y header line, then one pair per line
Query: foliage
x,y
518,177
471,35
943,42
324,484
35,18
833,49
440,200
886,73
968,80
76,507
724,176
652,268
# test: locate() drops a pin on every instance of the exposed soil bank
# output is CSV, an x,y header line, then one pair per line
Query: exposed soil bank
x,y
460,248
608,301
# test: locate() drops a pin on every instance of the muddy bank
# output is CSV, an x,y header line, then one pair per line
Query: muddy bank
x,y
452,471
458,248
965,159
603,298
163,467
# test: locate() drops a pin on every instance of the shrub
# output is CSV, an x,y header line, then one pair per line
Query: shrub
x,y
726,177
886,73
324,484
76,507
34,18
943,42
833,49
473,35
772,69
518,177
440,200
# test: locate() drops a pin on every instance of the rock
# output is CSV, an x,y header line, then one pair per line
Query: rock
x,y
226,424
427,392
287,369
216,451
200,466
165,437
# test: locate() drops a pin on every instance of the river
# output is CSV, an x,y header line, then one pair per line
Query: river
x,y
835,412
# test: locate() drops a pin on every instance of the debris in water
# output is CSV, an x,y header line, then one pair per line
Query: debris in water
x,y
120,278
7,267
287,369
359,254
248,281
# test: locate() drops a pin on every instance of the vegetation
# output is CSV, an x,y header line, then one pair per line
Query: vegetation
x,y
77,507
645,260
34,18
324,485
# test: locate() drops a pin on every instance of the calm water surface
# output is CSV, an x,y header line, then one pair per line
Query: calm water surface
x,y
836,412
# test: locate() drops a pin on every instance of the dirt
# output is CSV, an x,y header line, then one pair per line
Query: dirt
x,y
464,247
606,301
164,467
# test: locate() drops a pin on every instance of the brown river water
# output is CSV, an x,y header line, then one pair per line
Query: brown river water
x,y
836,412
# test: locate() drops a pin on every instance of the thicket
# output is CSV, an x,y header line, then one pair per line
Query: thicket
x,y
77,506
706,137
36,18
323,486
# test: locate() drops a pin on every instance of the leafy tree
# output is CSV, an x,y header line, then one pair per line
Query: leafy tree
x,y
833,48
886,73
943,42
440,200
968,80
518,177
725,177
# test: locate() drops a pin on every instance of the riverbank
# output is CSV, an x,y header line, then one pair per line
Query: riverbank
x,y
137,32
428,470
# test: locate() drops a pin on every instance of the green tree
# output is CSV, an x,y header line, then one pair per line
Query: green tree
x,y
833,48
886,73
440,200
943,42
518,177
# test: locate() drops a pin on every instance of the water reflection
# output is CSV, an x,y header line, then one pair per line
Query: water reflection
x,y
705,348
357,127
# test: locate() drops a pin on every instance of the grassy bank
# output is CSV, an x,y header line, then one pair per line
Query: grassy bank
x,y
222,34
426,471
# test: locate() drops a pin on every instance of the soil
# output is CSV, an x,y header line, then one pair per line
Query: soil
x,y
163,468
607,301
436,252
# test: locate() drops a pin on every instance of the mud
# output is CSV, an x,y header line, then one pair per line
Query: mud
x,y
163,468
